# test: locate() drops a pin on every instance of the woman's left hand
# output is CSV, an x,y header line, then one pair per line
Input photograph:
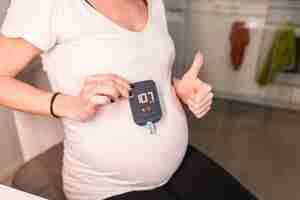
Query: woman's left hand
x,y
196,94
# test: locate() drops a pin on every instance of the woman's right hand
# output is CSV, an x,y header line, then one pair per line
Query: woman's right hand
x,y
98,90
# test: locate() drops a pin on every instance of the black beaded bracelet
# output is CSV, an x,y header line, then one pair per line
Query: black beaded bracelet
x,y
51,104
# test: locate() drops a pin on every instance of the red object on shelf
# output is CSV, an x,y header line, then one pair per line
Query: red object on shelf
x,y
240,39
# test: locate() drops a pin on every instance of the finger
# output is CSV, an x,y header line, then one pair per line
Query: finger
x,y
200,107
200,102
196,108
193,72
92,87
124,91
88,90
203,108
203,113
202,91
89,86
100,100
125,83
107,90
106,77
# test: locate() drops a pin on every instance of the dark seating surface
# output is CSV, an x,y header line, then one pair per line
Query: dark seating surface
x,y
42,175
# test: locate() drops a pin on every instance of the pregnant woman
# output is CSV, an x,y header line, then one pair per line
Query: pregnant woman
x,y
93,52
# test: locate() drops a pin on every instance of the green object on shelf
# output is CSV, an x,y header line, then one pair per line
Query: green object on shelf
x,y
281,55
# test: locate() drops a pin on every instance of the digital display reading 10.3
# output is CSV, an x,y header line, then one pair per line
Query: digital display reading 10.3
x,y
146,98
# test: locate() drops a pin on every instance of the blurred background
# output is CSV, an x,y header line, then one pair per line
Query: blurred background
x,y
252,53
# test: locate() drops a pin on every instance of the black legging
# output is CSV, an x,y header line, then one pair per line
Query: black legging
x,y
198,178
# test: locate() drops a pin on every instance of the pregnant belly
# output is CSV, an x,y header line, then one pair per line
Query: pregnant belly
x,y
114,147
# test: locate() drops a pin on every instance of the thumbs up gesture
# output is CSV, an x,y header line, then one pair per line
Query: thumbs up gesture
x,y
196,94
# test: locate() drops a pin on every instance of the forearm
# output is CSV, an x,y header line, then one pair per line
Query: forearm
x,y
23,97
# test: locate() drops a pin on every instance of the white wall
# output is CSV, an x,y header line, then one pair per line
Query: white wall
x,y
3,6
209,30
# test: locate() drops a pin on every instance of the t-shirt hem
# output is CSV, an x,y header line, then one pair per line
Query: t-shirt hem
x,y
135,189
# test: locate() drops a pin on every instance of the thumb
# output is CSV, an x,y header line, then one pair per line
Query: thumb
x,y
193,72
99,100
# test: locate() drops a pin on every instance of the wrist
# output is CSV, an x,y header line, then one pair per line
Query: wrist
x,y
62,106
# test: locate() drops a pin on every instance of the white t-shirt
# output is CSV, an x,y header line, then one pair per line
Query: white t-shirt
x,y
109,154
